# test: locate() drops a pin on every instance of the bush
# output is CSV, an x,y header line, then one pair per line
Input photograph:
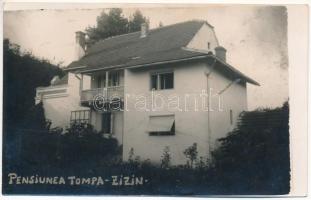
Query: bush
x,y
79,145
256,154
191,153
166,158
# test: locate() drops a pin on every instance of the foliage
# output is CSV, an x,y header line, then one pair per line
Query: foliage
x,y
252,159
256,154
131,155
80,129
22,73
191,153
133,160
201,163
166,158
136,20
35,119
81,143
53,148
114,23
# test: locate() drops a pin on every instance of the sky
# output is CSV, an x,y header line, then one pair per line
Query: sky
x,y
255,38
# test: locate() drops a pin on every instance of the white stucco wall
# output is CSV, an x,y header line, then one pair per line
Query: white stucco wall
x,y
58,108
131,126
190,126
202,37
233,98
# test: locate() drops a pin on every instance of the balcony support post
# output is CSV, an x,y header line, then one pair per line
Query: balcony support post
x,y
106,84
81,84
107,77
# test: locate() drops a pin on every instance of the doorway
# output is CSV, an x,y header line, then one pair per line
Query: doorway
x,y
106,122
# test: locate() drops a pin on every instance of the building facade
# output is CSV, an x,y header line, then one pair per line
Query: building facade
x,y
153,89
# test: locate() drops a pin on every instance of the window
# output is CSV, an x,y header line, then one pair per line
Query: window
x,y
161,125
208,46
154,81
161,81
101,81
231,117
114,78
80,116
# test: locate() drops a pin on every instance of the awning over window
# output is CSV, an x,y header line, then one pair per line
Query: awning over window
x,y
162,123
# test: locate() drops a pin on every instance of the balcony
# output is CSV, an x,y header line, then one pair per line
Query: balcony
x,y
108,93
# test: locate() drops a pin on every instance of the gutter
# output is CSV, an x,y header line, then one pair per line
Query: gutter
x,y
80,67
122,66
141,65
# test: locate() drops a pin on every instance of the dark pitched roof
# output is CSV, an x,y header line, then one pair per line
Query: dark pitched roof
x,y
163,44
160,44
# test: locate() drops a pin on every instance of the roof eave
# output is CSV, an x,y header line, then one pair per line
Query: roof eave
x,y
145,64
122,66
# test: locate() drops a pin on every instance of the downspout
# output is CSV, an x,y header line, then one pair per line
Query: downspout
x,y
209,131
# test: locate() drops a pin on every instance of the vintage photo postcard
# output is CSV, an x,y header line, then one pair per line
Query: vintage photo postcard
x,y
164,100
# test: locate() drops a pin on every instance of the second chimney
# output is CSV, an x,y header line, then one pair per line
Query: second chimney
x,y
80,45
221,53
144,30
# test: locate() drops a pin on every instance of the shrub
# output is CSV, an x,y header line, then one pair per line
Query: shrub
x,y
166,158
81,129
201,163
255,154
131,155
79,145
191,153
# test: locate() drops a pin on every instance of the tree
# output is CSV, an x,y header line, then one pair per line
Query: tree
x,y
23,73
136,21
255,154
108,25
114,23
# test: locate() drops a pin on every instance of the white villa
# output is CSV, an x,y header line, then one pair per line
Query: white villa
x,y
169,86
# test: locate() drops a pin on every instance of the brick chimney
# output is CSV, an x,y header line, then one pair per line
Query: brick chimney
x,y
80,45
144,30
221,53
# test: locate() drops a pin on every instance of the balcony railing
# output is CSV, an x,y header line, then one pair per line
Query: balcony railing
x,y
107,93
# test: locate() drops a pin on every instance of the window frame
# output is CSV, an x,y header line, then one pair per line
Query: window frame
x,y
100,81
75,116
111,75
158,80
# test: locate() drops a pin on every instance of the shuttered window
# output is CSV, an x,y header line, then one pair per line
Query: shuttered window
x,y
161,125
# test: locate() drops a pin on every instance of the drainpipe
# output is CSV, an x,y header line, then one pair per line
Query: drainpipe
x,y
209,131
